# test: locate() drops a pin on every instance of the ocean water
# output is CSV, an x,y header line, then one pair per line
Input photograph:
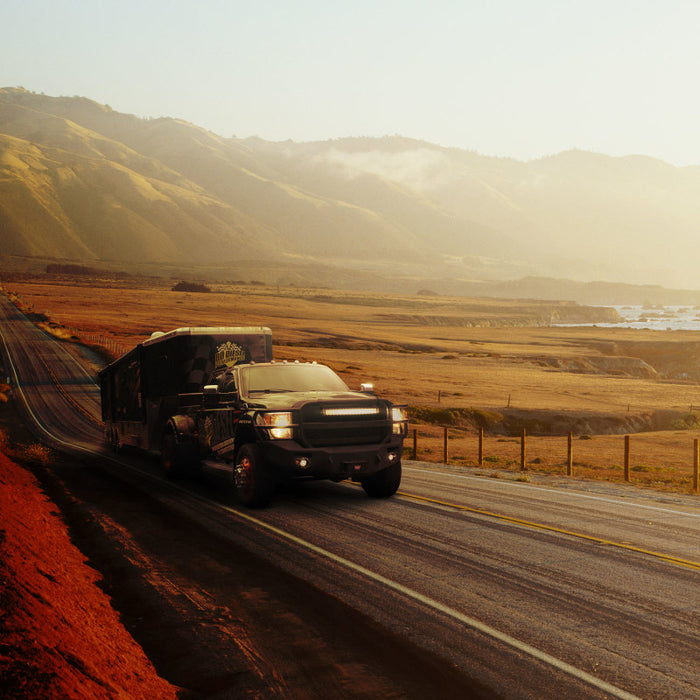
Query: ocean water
x,y
658,318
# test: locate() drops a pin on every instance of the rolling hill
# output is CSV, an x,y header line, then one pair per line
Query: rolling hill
x,y
83,183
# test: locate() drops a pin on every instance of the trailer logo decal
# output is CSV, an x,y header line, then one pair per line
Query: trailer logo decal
x,y
218,429
208,431
228,354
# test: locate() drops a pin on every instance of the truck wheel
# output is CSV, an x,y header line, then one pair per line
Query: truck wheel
x,y
177,460
251,477
384,483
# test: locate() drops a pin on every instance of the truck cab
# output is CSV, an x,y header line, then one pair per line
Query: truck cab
x,y
276,421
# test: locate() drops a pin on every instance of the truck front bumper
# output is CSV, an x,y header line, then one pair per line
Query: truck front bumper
x,y
290,460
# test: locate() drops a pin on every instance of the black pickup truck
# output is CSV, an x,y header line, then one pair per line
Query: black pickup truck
x,y
267,421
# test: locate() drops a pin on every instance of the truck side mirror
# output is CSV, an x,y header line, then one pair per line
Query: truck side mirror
x,y
367,388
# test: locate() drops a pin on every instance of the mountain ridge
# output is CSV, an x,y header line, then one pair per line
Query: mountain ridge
x,y
81,182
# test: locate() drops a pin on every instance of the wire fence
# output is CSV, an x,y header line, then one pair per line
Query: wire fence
x,y
111,344
668,460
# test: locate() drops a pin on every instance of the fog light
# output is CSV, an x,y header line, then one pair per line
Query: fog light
x,y
302,462
391,456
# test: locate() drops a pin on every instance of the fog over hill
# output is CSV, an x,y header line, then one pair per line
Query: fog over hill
x,y
83,183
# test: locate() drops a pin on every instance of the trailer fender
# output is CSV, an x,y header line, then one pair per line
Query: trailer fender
x,y
183,428
179,454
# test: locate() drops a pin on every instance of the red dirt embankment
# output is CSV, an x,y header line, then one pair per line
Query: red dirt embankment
x,y
59,635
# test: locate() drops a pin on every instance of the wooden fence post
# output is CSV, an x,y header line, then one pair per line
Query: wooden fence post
x,y
445,452
696,465
570,456
627,457
481,447
415,443
523,450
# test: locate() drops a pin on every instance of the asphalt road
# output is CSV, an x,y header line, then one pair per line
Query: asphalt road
x,y
527,590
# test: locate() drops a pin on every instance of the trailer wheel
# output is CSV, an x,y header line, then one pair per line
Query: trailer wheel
x,y
251,477
384,483
176,460
114,442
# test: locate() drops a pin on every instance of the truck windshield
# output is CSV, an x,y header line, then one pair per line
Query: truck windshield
x,y
270,379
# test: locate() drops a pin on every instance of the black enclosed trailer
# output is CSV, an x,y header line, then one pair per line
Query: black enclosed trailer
x,y
146,386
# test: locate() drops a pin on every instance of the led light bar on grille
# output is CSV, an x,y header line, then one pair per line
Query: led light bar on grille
x,y
358,411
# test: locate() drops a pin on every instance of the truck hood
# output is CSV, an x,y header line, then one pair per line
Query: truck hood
x,y
292,400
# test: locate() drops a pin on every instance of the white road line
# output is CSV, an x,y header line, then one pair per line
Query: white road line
x,y
560,492
446,610
38,423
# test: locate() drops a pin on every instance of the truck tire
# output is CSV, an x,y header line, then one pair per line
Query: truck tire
x,y
384,483
251,477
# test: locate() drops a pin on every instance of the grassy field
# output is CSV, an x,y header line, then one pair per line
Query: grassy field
x,y
433,352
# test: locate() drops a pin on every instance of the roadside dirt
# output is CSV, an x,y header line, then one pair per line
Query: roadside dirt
x,y
61,638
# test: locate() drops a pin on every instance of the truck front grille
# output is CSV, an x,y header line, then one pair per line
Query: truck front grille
x,y
337,425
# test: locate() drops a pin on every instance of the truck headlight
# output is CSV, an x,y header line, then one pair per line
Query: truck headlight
x,y
279,426
399,415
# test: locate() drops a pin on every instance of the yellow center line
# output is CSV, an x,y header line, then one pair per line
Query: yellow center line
x,y
550,528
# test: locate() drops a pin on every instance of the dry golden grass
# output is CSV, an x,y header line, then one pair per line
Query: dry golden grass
x,y
418,351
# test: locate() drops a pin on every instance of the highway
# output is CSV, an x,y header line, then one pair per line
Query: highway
x,y
528,591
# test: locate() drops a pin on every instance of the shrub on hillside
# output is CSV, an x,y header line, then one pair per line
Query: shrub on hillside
x,y
190,287
477,417
689,421
35,454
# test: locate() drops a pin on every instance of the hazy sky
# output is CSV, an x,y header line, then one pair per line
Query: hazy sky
x,y
520,78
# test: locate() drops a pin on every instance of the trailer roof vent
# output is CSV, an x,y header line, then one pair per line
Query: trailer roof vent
x,y
156,334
